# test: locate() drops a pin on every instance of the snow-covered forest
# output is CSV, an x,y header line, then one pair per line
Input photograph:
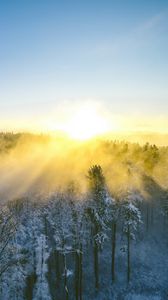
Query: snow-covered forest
x,y
88,221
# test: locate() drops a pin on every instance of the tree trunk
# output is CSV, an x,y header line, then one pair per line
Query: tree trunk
x,y
42,260
152,214
147,217
81,272
57,267
65,278
96,265
30,283
77,274
128,255
114,225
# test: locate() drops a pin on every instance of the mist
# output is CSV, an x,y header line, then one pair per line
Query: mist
x,y
31,163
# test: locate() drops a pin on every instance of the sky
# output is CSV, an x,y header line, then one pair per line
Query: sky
x,y
58,55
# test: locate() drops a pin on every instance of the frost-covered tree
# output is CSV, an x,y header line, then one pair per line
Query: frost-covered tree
x,y
114,217
8,226
98,212
41,290
30,228
13,281
59,218
80,234
165,204
15,275
131,216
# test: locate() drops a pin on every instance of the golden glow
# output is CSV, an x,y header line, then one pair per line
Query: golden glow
x,y
85,123
45,163
88,120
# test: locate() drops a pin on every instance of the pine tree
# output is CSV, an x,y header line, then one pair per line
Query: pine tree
x,y
131,216
97,209
115,212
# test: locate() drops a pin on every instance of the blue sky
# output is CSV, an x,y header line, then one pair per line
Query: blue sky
x,y
55,53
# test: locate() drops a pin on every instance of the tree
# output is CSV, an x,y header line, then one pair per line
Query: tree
x,y
97,209
164,205
131,216
59,217
115,211
79,237
8,226
41,288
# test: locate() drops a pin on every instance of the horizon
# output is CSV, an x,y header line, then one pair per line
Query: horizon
x,y
141,138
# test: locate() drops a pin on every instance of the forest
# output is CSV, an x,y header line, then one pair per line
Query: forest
x,y
82,220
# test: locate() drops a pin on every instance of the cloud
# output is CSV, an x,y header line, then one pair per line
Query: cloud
x,y
150,23
134,38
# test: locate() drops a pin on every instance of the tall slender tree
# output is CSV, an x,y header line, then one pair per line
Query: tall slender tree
x,y
97,212
131,219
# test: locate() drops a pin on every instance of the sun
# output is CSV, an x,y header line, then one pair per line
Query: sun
x,y
85,124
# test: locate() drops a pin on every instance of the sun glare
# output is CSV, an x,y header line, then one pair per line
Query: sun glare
x,y
85,123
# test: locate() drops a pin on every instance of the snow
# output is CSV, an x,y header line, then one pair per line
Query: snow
x,y
142,297
61,225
